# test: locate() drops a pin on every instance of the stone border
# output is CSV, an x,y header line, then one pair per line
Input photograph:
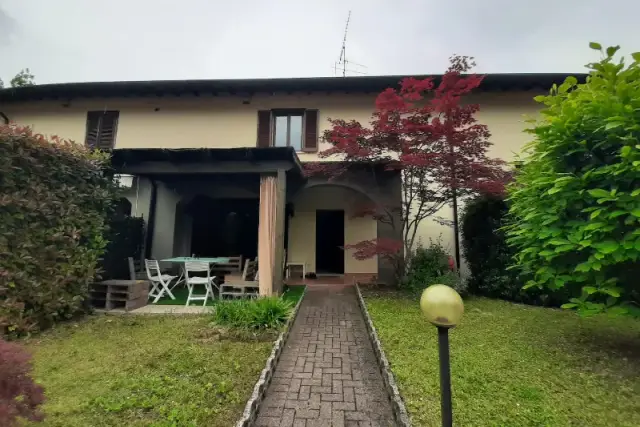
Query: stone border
x,y
259,390
397,404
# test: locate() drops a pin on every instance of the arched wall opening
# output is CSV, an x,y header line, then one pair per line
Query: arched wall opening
x,y
323,220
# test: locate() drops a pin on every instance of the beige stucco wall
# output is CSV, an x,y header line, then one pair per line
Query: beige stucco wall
x,y
215,122
302,226
208,121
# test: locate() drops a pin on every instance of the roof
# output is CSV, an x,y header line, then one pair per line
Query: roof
x,y
492,82
123,157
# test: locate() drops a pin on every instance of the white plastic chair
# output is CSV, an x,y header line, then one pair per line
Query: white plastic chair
x,y
159,282
192,281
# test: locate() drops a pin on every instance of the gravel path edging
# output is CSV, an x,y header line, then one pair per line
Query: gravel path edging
x,y
253,404
397,404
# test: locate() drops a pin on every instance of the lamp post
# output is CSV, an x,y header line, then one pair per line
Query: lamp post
x,y
443,307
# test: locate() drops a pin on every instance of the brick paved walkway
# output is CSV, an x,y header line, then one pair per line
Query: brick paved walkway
x,y
327,374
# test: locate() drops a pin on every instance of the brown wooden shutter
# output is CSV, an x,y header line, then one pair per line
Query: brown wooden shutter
x,y
264,128
108,130
102,127
93,126
310,131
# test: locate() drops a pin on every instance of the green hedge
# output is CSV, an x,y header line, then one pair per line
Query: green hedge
x,y
574,207
54,198
488,255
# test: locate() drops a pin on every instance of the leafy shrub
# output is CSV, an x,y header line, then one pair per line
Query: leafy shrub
x,y
432,265
260,313
575,203
54,198
125,238
485,249
20,396
489,257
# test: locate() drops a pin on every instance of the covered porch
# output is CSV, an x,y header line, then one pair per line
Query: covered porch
x,y
214,202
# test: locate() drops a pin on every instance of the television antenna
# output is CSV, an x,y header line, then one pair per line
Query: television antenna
x,y
342,64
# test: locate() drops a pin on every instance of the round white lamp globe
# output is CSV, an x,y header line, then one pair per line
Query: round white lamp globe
x,y
442,306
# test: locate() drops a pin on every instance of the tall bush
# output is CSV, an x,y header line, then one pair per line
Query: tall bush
x,y
54,198
488,255
485,249
575,203
20,396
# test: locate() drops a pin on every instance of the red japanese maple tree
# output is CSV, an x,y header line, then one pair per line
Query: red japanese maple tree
x,y
426,131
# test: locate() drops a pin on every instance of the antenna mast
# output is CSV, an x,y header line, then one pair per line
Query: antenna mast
x,y
343,52
342,61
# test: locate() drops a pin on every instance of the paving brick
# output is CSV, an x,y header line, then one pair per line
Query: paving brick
x,y
327,374
331,397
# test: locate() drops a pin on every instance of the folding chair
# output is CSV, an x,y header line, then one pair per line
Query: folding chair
x,y
159,282
191,281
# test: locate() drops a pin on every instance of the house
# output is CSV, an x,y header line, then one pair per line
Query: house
x,y
218,163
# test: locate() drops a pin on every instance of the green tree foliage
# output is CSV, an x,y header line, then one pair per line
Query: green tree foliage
x,y
487,255
54,198
23,78
575,203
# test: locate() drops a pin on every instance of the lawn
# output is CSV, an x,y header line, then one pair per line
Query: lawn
x,y
291,293
145,371
515,365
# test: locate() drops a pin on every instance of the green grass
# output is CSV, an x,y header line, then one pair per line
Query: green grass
x,y
515,365
293,293
145,371
181,293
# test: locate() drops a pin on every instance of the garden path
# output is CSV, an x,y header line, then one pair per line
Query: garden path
x,y
327,374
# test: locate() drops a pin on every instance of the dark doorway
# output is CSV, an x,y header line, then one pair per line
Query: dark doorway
x,y
329,242
224,227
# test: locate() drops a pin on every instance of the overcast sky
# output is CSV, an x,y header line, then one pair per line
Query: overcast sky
x,y
84,40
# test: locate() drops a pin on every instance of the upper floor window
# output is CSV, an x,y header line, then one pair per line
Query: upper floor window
x,y
288,128
102,127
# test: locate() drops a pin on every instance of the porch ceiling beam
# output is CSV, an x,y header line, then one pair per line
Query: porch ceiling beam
x,y
156,168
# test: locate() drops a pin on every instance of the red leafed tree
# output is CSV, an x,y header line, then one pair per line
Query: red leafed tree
x,y
425,130
20,396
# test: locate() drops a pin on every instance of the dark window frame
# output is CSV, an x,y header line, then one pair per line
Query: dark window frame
x,y
288,113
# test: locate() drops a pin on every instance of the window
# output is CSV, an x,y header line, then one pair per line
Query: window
x,y
102,127
287,130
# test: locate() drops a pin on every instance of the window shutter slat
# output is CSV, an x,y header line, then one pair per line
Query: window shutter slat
x,y
310,131
108,129
93,123
102,127
264,128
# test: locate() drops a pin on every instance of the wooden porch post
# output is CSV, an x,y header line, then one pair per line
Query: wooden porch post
x,y
271,232
281,200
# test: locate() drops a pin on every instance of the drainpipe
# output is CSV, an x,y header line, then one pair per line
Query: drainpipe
x,y
148,238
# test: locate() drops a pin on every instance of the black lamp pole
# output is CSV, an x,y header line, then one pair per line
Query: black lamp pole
x,y
445,377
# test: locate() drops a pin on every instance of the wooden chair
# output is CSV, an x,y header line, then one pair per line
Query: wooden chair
x,y
245,285
234,266
136,272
